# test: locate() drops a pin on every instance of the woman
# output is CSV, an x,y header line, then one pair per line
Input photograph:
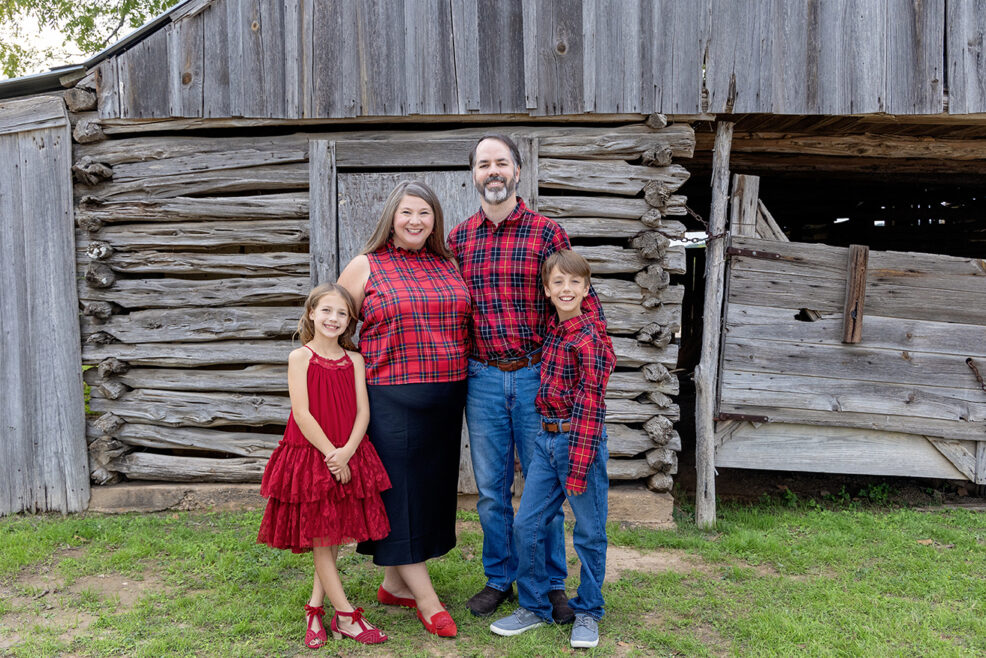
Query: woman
x,y
415,312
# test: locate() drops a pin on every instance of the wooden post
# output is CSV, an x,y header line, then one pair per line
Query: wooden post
x,y
706,371
852,314
322,189
743,212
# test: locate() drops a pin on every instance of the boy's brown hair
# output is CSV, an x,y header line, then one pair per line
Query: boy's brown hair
x,y
567,262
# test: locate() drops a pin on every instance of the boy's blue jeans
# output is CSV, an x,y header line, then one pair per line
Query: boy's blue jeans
x,y
544,493
500,413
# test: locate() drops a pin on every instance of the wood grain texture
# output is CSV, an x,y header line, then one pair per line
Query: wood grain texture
x,y
186,66
706,372
362,196
143,75
382,57
260,378
323,246
167,262
192,355
966,43
170,468
560,58
265,58
915,57
179,293
198,324
464,33
743,205
196,409
501,52
854,308
750,321
108,88
245,444
44,453
336,74
289,205
32,114
215,61
430,74
783,446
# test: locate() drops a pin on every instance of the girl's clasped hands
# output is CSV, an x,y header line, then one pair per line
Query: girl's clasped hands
x,y
338,462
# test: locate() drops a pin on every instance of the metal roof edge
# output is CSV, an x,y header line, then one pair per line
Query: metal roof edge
x,y
38,83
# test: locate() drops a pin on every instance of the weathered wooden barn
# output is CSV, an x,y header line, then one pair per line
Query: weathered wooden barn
x,y
164,213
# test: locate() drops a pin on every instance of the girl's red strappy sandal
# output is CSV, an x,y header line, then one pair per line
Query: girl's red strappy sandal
x,y
314,639
367,635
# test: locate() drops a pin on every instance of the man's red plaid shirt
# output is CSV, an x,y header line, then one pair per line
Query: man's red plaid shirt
x,y
415,318
575,366
501,265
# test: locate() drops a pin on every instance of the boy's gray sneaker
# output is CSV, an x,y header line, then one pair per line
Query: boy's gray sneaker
x,y
521,620
585,632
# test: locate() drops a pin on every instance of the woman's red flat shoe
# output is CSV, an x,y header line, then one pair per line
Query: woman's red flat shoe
x,y
367,635
314,639
440,624
386,598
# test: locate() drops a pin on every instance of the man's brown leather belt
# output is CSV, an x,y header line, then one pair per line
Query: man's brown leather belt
x,y
516,364
556,427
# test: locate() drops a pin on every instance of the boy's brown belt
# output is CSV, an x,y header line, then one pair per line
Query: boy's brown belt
x,y
563,426
515,364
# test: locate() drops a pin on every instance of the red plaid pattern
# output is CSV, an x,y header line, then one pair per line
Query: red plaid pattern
x,y
501,265
415,318
576,363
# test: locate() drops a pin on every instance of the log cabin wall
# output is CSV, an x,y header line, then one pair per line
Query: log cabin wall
x,y
193,260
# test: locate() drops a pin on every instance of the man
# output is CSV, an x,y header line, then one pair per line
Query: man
x,y
500,250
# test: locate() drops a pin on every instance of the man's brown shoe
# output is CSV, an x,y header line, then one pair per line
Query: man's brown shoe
x,y
561,612
488,600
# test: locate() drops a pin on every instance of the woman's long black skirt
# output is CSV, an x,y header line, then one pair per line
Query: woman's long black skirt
x,y
416,429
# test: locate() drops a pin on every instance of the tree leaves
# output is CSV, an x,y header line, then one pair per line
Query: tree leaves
x,y
88,26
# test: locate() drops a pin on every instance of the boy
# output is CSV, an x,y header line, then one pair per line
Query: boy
x,y
569,459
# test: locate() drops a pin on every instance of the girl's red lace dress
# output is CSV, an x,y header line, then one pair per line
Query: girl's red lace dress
x,y
306,506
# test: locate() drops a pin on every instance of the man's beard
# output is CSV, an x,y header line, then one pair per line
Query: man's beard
x,y
497,196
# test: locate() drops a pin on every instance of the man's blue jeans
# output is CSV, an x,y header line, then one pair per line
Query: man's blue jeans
x,y
544,493
500,413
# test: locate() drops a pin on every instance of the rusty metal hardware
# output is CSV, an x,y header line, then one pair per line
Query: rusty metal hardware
x,y
747,417
708,238
975,371
753,253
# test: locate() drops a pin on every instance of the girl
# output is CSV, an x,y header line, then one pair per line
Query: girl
x,y
323,481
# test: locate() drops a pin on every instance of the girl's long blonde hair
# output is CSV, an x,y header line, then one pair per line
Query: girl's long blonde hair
x,y
306,327
385,225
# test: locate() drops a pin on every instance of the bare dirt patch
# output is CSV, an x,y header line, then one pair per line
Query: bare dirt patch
x,y
39,596
621,558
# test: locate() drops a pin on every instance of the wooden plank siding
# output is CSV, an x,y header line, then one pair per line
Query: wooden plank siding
x,y
966,36
43,450
924,318
322,59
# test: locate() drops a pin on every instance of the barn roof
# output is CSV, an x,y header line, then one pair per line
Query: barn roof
x,y
317,59
52,80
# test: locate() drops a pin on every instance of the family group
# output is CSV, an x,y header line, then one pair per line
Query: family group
x,y
499,320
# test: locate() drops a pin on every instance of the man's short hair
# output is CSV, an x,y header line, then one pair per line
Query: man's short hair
x,y
514,151
567,262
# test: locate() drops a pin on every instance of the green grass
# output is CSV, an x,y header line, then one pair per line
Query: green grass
x,y
773,580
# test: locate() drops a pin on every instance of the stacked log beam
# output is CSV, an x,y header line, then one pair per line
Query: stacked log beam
x,y
193,261
619,208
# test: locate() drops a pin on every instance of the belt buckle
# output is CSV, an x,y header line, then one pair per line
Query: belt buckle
x,y
513,366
